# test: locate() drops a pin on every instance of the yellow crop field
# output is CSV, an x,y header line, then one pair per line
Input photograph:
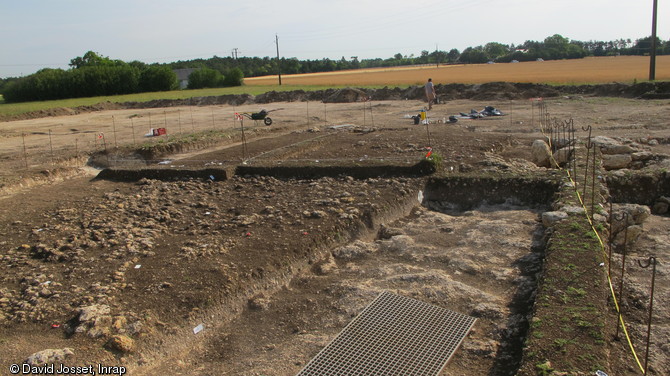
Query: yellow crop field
x,y
578,71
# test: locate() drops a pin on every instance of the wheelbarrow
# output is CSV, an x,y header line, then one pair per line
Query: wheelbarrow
x,y
261,115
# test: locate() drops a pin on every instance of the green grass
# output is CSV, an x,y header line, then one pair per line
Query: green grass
x,y
561,343
9,109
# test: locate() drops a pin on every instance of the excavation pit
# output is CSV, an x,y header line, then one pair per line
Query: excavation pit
x,y
247,256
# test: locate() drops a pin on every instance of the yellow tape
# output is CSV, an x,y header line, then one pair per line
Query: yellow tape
x,y
602,248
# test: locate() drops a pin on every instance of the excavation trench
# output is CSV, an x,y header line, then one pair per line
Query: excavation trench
x,y
474,246
645,195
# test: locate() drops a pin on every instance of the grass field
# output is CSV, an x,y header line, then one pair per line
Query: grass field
x,y
19,108
582,71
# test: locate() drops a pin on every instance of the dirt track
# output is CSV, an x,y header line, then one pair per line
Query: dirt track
x,y
249,256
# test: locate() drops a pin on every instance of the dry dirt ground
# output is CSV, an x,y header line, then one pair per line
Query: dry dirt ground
x,y
124,273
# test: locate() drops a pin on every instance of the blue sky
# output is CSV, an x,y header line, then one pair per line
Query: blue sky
x,y
40,34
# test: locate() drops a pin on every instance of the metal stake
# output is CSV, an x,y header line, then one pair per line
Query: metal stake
x,y
364,109
593,180
510,112
372,119
532,113
652,262
573,152
132,127
213,125
114,130
179,119
588,150
51,146
25,155
192,125
430,144
244,141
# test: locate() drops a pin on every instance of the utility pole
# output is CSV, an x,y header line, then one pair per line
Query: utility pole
x,y
437,56
235,53
652,53
278,61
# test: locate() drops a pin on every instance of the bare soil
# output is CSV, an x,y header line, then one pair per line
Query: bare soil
x,y
274,267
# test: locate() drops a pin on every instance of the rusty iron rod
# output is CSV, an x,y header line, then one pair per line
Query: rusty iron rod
x,y
588,150
364,109
593,180
244,141
192,123
652,262
589,146
430,144
532,114
51,147
104,143
116,145
372,118
179,119
573,152
132,129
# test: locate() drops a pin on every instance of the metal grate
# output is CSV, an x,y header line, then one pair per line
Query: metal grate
x,y
394,335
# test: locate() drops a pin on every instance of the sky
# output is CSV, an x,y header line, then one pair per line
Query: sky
x,y
37,34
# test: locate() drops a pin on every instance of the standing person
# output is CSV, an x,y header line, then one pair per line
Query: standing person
x,y
430,93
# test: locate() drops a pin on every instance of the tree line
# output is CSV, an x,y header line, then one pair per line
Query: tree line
x,y
551,48
95,75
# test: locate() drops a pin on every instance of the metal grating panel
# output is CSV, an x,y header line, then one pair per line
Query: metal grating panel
x,y
394,335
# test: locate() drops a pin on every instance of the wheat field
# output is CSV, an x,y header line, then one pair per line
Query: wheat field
x,y
578,71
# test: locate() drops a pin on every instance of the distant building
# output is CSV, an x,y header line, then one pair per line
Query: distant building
x,y
182,76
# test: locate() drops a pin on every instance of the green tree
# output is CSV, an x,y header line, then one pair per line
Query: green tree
x,y
438,57
643,46
453,55
474,55
157,78
423,59
355,64
495,50
205,77
575,51
234,77
91,58
556,41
